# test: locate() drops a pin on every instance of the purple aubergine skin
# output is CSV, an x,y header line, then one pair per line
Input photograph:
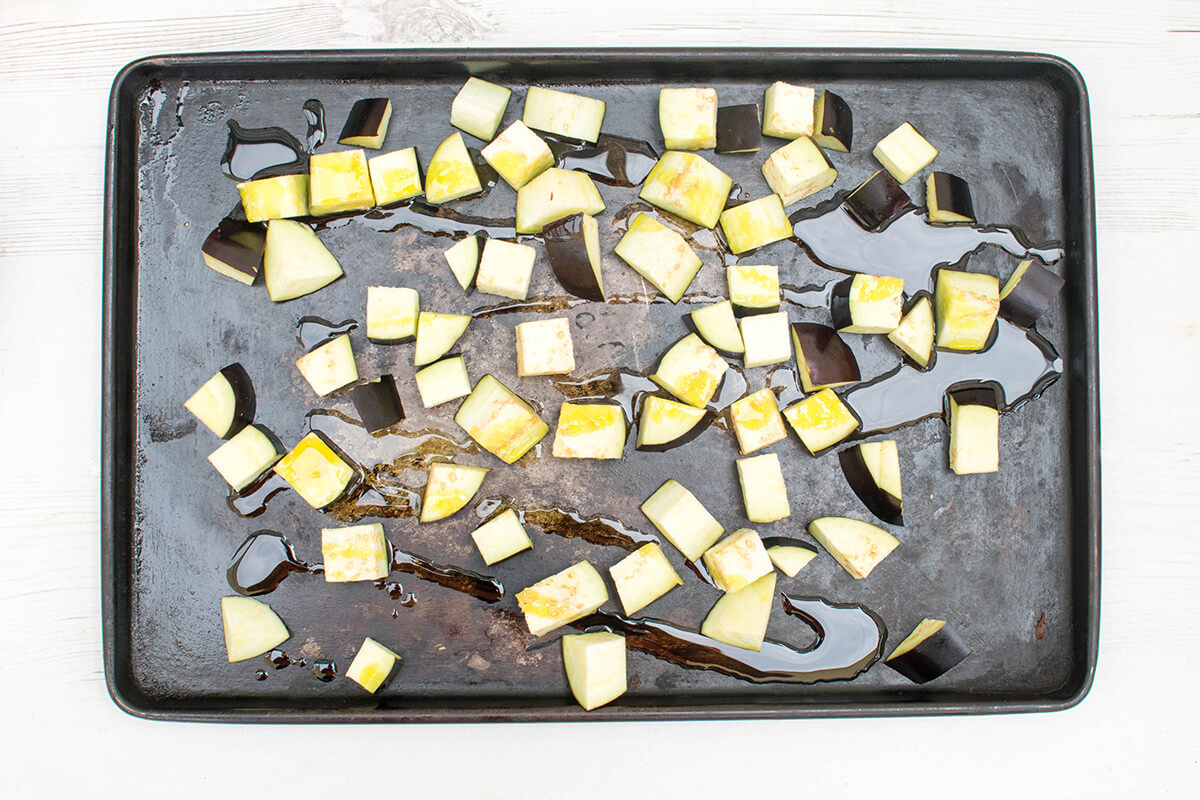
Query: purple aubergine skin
x,y
883,505
1032,295
839,304
951,193
878,201
933,657
244,403
837,121
364,119
691,433
739,129
979,395
829,359
234,254
378,403
566,247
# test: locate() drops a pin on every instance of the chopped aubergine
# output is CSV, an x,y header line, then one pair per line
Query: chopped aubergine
x,y
823,358
753,288
914,335
877,201
755,224
833,122
395,176
948,198
718,326
501,536
666,424
642,577
280,197
251,628
873,471
330,366
688,118
930,651
857,546
564,114
377,403
505,269
367,123
797,170
821,420
688,186
518,155
235,249
449,488
372,665
904,152
225,403
766,338
443,381
966,305
974,430
451,173
562,598
660,255
691,370
790,560
500,421
740,618
316,470
764,492
245,456
478,108
545,347
682,519
595,665
738,560
590,430
339,182
392,313
867,304
739,129
554,194
756,421
463,258
355,553
1028,293
788,111
573,247
295,261
436,334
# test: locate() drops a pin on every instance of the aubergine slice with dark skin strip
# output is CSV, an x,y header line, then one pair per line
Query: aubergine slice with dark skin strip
x,y
573,247
877,201
235,249
367,123
867,304
833,122
871,485
717,325
948,198
915,334
739,129
930,651
973,413
378,403
665,424
822,357
1028,293
226,401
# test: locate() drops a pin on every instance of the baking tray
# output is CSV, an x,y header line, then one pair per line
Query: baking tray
x,y
1011,560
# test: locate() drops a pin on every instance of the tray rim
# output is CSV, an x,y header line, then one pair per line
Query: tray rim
x,y
1087,553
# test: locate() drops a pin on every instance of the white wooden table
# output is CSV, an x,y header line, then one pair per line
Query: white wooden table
x,y
1136,732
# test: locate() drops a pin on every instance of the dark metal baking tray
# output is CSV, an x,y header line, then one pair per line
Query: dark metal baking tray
x,y
1013,561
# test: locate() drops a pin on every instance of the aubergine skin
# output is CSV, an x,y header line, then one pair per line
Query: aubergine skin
x,y
222,245
878,201
700,427
828,358
365,118
933,657
839,304
739,129
244,399
837,121
1032,295
980,395
567,249
882,504
378,403
953,194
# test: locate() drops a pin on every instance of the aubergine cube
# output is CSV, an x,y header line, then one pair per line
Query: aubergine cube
x,y
554,194
316,470
573,247
355,553
873,471
688,118
562,598
766,338
877,201
755,224
443,381
930,651
822,357
833,122
378,403
296,261
500,421
339,182
948,198
563,113
590,430
451,173
660,255
797,170
966,305
666,424
867,304
395,176
449,488
246,455
463,258
756,421
687,185
753,288
788,111
915,333
367,123
545,347
478,108
738,560
505,269
821,420
280,197
436,334
904,152
858,546
691,370
1028,293
974,430
329,366
392,313
225,402
518,155
682,519
739,129
717,326
764,492
235,249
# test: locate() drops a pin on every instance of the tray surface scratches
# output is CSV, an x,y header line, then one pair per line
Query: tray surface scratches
x,y
1009,559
